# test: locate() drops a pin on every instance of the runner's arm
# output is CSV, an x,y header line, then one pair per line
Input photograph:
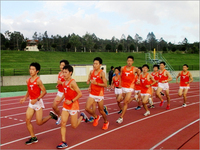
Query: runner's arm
x,y
26,96
191,78
75,87
120,78
89,77
177,77
169,76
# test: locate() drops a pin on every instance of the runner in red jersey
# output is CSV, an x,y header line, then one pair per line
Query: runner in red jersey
x,y
146,81
137,91
35,92
70,105
98,82
127,82
59,86
163,78
118,90
185,80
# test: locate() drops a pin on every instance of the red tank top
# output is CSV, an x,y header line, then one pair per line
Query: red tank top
x,y
69,95
143,82
161,76
97,90
116,81
61,78
128,78
137,86
184,78
155,76
33,89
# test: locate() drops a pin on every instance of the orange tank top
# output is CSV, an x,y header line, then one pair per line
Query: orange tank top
x,y
144,81
61,78
97,90
33,89
116,81
155,76
69,95
137,86
161,76
128,78
184,78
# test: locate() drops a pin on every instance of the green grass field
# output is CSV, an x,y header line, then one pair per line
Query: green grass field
x,y
11,60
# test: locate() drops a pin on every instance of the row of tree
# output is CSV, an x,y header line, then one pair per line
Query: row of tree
x,y
91,43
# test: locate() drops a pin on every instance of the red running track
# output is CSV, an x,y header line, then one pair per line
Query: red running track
x,y
177,128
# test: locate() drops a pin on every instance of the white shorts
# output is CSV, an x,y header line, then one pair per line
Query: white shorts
x,y
145,94
39,104
155,88
96,98
127,90
164,86
60,94
71,112
118,91
184,87
137,91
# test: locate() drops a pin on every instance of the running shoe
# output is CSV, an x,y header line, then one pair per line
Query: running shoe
x,y
53,115
161,103
119,112
58,121
119,120
168,107
31,141
184,105
162,93
85,118
91,119
96,121
138,108
150,101
105,126
152,106
62,145
105,110
147,113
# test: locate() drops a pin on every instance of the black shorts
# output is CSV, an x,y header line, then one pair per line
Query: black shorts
x,y
110,81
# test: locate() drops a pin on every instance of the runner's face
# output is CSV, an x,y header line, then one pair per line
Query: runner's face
x,y
96,65
32,71
66,74
162,66
185,68
155,69
129,62
62,64
145,69
116,71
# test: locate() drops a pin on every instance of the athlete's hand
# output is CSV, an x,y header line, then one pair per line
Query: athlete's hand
x,y
22,100
164,81
88,82
138,82
89,89
147,86
33,101
57,86
93,81
186,82
176,81
68,102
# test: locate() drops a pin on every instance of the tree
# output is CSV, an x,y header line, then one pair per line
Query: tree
x,y
164,49
39,46
108,47
120,47
143,48
23,45
74,40
129,41
35,36
132,47
88,41
151,40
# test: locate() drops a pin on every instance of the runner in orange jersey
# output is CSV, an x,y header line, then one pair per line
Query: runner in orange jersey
x,y
146,90
127,82
185,80
71,105
118,90
35,92
60,92
163,78
98,82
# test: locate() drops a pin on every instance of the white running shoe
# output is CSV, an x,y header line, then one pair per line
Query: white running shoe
x,y
119,120
58,121
184,105
147,113
150,101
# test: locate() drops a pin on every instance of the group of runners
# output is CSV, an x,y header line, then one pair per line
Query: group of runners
x,y
127,79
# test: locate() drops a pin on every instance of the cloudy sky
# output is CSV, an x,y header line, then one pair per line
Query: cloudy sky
x,y
171,20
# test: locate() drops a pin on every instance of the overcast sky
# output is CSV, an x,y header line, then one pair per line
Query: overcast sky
x,y
171,20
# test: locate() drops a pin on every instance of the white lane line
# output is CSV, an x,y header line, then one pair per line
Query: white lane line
x,y
83,110
100,134
173,134
126,126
